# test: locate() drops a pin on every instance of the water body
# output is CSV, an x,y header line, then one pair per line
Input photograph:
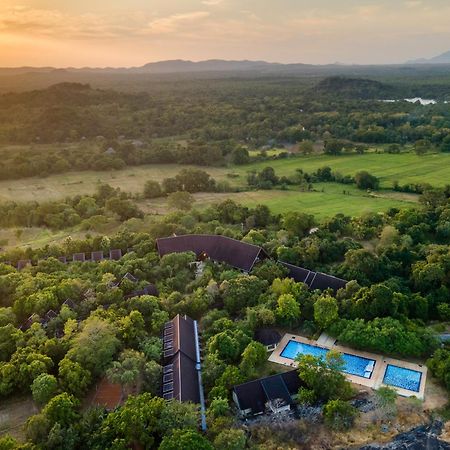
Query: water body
x,y
422,101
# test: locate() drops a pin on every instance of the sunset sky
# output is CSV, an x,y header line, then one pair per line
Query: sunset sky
x,y
133,32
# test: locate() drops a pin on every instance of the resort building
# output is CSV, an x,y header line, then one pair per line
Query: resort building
x,y
268,337
271,394
182,377
238,254
242,256
314,280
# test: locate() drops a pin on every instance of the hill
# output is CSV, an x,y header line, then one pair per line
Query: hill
x,y
443,58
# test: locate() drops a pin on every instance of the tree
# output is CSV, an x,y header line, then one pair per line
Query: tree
x,y
232,439
9,338
178,415
326,311
288,310
180,200
73,378
186,440
152,189
385,399
8,443
136,423
124,208
364,180
95,346
324,376
241,292
333,147
240,156
306,147
44,388
339,415
228,344
127,370
296,223
422,146
253,357
61,409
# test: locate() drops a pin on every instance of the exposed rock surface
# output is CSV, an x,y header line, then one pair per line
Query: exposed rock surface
x,y
424,437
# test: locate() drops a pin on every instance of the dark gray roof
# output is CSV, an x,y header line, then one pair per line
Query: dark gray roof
x,y
180,375
255,394
267,336
238,254
324,281
314,280
185,379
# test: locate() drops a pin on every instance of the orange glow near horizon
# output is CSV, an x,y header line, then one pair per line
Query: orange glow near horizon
x,y
100,33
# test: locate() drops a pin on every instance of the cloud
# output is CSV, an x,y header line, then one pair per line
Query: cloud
x,y
212,2
172,23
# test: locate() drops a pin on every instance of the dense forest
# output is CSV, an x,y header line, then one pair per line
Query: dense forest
x,y
68,327
396,290
118,129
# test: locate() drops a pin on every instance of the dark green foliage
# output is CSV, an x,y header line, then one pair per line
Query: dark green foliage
x,y
339,415
385,335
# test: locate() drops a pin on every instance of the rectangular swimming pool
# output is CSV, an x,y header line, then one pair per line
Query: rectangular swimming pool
x,y
403,378
353,365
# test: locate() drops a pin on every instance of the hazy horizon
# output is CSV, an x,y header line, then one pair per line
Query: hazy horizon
x,y
100,33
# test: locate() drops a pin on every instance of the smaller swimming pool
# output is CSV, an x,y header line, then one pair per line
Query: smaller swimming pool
x,y
353,364
403,378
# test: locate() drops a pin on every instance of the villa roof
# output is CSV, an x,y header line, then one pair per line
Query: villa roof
x,y
314,280
267,336
324,281
238,254
254,395
185,379
181,379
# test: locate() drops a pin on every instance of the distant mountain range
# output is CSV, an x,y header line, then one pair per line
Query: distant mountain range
x,y
211,65
172,66
444,58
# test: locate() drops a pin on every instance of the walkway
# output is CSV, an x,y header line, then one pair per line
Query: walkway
x,y
374,378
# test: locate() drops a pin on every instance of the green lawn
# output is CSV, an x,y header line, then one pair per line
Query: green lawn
x,y
326,201
404,168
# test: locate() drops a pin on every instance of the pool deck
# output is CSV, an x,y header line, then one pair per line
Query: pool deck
x,y
376,379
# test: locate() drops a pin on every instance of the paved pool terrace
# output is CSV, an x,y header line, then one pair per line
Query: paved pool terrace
x,y
373,371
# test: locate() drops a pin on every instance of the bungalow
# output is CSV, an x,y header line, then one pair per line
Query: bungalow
x,y
314,280
268,337
238,254
271,394
182,376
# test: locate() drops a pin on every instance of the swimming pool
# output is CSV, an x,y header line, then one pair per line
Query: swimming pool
x,y
353,365
403,378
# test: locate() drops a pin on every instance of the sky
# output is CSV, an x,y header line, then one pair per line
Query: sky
x,y
124,33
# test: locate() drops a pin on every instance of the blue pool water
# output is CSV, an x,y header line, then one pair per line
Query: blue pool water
x,y
402,378
353,365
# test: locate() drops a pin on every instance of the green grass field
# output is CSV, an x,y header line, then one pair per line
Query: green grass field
x,y
326,201
404,167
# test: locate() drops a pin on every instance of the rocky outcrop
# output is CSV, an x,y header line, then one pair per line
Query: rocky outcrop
x,y
425,437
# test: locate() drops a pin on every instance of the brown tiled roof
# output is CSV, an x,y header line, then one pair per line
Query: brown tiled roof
x,y
238,254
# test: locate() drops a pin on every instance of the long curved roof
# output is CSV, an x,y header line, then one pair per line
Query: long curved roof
x,y
238,254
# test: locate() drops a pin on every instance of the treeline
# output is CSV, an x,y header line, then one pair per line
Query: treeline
x,y
218,117
267,179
